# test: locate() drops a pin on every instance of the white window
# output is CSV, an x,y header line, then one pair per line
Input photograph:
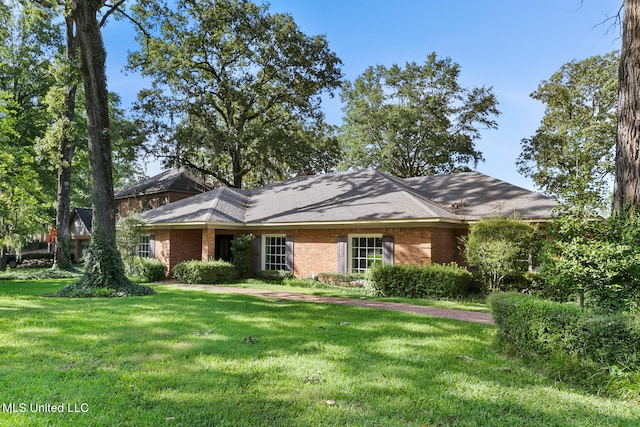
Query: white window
x,y
365,250
144,248
274,249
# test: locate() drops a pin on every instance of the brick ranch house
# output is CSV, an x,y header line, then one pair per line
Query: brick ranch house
x,y
338,222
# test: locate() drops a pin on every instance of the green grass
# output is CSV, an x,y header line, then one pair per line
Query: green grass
x,y
189,358
308,286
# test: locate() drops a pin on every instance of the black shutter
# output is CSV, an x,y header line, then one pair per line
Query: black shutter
x,y
342,254
387,249
288,242
257,254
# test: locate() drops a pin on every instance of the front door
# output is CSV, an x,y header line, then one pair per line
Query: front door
x,y
223,247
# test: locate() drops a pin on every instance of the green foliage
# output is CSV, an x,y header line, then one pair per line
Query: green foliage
x,y
414,121
342,279
571,156
103,270
274,275
535,327
551,330
597,259
499,248
428,281
241,252
252,82
128,234
149,269
205,272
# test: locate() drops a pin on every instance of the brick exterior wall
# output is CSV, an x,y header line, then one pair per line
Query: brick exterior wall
x,y
316,251
174,246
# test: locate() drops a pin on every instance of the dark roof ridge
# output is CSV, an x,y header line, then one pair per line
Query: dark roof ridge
x,y
414,193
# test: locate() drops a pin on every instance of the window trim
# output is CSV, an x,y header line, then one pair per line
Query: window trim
x,y
141,244
263,260
350,258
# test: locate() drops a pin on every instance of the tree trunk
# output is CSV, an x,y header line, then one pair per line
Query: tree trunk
x,y
103,263
62,256
627,185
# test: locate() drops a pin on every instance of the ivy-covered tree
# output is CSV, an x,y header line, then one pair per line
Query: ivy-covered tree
x,y
236,90
103,264
416,120
571,156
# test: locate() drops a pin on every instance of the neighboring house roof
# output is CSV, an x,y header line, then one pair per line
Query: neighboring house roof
x,y
474,195
86,216
356,196
80,222
177,180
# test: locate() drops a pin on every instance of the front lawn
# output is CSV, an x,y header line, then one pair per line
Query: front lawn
x,y
188,358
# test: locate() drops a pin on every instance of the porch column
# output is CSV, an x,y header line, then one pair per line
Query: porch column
x,y
208,244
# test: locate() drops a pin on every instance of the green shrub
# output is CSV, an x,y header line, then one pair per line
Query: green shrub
x,y
501,248
429,281
596,259
275,275
241,251
149,269
342,279
537,327
204,272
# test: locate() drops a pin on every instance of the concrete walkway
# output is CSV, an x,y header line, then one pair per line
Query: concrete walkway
x,y
466,316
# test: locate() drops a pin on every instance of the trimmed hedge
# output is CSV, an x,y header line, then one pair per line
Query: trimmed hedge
x,y
428,281
204,272
275,275
149,269
537,327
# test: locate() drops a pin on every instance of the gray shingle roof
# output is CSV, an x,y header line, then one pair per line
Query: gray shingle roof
x,y
177,180
345,196
474,195
365,195
219,205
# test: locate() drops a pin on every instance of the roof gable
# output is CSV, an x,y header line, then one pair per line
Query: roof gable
x,y
219,205
175,180
344,196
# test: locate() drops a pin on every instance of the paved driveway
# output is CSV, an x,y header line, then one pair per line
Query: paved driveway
x,y
466,316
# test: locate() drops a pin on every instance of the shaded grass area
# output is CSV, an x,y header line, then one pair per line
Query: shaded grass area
x,y
308,286
188,358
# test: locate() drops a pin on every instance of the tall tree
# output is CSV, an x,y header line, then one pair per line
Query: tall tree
x,y
103,267
626,195
236,90
416,120
64,105
571,156
27,43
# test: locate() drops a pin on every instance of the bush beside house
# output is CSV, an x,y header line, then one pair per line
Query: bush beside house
x,y
427,281
204,272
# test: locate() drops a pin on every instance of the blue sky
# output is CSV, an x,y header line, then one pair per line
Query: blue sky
x,y
510,45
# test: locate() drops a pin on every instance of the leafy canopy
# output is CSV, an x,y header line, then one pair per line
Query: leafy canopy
x,y
416,120
236,90
571,156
